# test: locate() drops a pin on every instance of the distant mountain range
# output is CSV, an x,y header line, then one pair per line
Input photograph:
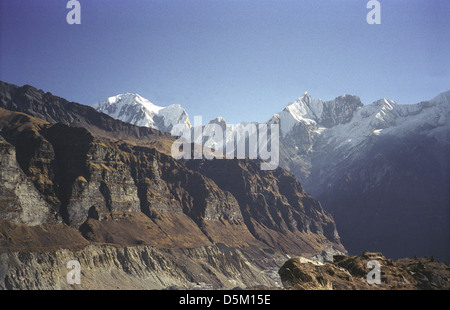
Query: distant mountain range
x,y
381,169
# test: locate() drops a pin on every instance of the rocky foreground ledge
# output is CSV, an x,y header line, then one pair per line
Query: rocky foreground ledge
x,y
351,273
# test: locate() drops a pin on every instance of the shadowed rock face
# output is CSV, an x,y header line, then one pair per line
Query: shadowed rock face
x,y
19,199
90,180
274,206
398,203
99,184
350,272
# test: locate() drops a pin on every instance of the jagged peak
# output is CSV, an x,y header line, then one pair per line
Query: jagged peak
x,y
131,99
305,98
383,102
137,110
325,113
305,107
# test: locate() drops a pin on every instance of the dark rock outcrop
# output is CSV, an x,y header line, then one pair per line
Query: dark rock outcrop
x,y
352,273
20,201
274,206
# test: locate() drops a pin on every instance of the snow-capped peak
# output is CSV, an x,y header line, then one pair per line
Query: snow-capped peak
x,y
385,103
115,103
311,111
136,110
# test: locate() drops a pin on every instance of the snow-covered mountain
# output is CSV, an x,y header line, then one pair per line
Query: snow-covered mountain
x,y
316,112
136,110
381,169
345,120
340,126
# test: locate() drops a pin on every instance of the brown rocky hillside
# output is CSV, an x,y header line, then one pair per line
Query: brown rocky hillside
x,y
73,177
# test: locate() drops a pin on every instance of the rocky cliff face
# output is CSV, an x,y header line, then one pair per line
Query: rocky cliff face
x,y
135,267
70,186
20,201
274,206
90,180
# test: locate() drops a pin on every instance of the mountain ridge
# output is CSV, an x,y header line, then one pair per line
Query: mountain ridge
x,y
107,190
334,147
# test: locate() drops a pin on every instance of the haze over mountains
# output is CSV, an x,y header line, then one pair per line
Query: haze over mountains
x,y
381,169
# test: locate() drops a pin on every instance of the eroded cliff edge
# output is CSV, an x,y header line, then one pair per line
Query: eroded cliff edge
x,y
367,271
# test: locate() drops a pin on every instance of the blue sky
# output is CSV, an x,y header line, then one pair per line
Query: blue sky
x,y
240,59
